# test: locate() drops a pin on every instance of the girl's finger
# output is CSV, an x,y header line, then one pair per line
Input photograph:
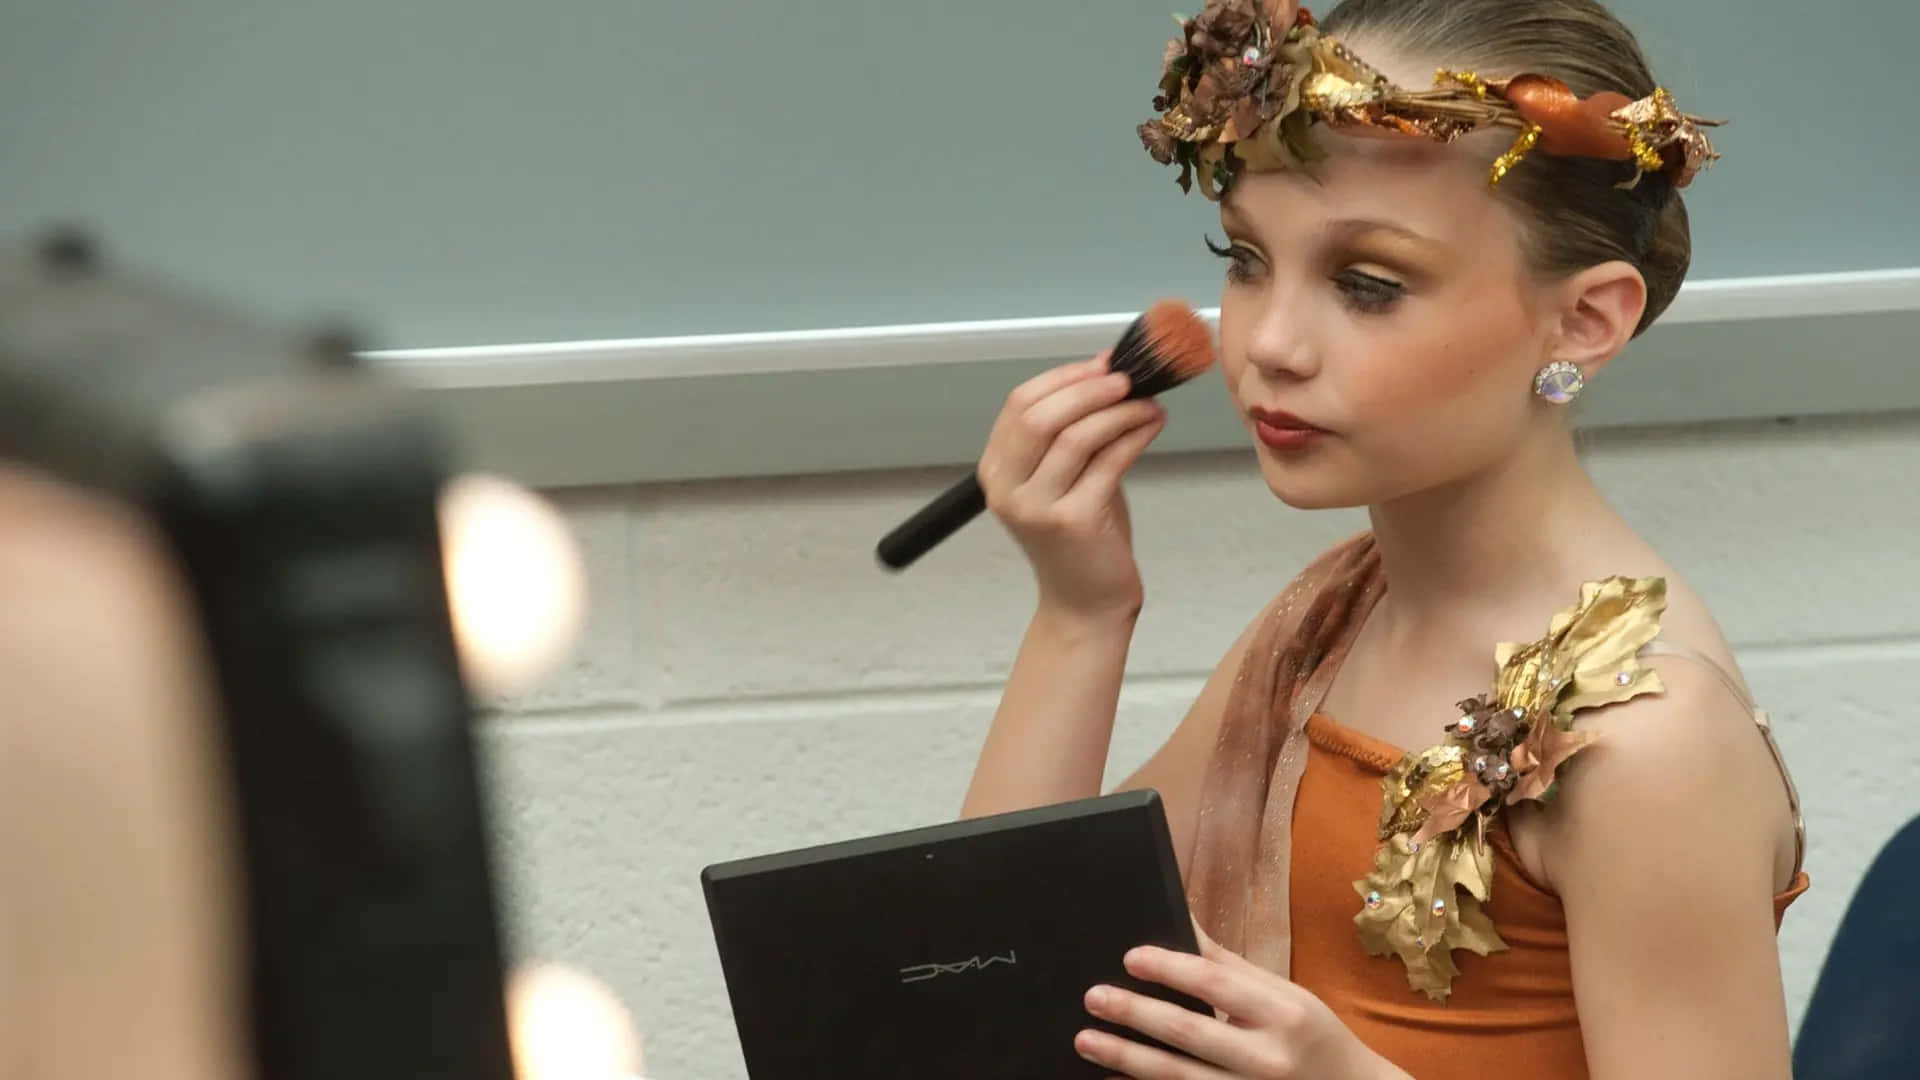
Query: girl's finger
x,y
1141,1062
1085,441
1239,993
1024,437
1198,1034
1029,393
1101,478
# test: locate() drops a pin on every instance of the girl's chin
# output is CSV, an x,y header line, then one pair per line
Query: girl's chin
x,y
1311,486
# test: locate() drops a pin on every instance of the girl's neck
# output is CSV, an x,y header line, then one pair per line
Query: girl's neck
x,y
1515,537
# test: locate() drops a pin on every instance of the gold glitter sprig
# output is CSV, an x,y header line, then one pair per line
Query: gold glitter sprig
x,y
1505,162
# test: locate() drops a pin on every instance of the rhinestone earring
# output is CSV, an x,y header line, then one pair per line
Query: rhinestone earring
x,y
1559,382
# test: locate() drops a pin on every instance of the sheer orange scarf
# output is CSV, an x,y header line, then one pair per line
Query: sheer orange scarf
x,y
1237,878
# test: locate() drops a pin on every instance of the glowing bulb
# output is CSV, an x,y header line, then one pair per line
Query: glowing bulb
x,y
565,1026
515,582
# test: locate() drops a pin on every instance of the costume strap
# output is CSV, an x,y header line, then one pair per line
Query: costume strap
x,y
1663,647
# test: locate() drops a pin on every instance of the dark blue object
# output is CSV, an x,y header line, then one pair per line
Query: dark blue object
x,y
1864,1020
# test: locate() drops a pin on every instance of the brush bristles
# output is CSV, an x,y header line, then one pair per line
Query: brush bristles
x,y
1164,347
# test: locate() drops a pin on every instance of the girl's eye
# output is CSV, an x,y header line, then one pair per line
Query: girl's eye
x,y
1366,292
1242,263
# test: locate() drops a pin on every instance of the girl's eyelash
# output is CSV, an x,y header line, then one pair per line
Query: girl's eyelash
x,y
1238,258
1364,292
1367,292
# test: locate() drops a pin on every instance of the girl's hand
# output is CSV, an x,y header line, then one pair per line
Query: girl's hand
x,y
1265,1027
1051,472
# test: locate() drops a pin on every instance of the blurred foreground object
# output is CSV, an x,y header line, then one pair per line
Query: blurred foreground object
x,y
119,902
294,503
567,1026
517,582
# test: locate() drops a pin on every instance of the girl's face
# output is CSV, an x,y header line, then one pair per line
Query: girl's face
x,y
1383,299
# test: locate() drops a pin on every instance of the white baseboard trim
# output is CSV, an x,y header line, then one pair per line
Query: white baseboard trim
x,y
672,408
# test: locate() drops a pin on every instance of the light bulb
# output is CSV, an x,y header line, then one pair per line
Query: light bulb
x,y
515,582
566,1026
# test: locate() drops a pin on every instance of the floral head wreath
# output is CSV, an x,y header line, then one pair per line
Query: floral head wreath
x,y
1246,79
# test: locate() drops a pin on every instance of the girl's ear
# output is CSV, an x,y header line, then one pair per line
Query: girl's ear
x,y
1599,308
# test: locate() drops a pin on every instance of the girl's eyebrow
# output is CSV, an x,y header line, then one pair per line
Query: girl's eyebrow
x,y
1354,228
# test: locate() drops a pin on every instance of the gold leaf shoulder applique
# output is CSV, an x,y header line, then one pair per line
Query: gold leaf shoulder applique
x,y
1434,867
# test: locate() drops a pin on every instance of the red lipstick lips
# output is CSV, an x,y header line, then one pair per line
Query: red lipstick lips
x,y
1282,430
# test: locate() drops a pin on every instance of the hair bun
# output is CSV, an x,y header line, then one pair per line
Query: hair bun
x,y
1668,256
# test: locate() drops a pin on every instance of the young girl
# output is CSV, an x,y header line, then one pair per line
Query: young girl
x,y
1482,792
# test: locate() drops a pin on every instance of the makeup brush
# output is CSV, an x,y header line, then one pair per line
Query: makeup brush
x,y
1164,347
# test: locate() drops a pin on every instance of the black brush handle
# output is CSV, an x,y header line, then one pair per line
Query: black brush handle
x,y
1137,355
938,520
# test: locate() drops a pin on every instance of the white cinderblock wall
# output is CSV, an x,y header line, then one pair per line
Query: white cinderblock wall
x,y
751,681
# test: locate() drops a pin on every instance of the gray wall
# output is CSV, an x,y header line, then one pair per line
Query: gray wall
x,y
464,173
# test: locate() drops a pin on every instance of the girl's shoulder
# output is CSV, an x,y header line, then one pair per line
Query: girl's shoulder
x,y
1624,758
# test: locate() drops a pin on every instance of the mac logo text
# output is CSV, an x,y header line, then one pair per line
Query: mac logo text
x,y
923,972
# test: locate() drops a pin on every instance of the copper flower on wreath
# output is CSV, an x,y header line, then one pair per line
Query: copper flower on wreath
x,y
1237,67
